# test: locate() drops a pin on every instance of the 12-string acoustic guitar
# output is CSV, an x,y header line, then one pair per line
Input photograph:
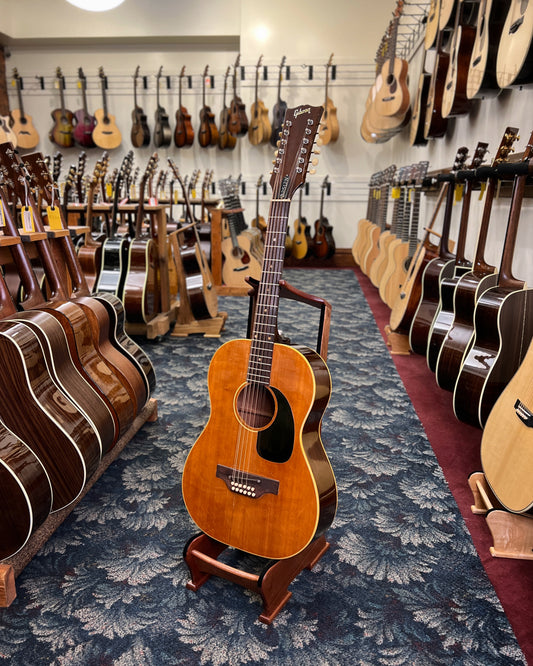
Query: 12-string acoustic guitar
x,y
258,478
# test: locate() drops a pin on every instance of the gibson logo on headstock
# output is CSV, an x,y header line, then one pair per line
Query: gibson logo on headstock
x,y
298,112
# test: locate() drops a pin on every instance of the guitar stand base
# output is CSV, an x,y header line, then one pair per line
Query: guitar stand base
x,y
398,342
210,327
512,533
201,554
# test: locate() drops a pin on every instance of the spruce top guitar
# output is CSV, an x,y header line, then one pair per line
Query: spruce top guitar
x,y
62,131
162,133
26,134
140,132
260,129
106,134
253,469
329,127
84,125
184,133
515,50
278,112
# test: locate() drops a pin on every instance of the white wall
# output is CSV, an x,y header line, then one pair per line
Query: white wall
x,y
177,33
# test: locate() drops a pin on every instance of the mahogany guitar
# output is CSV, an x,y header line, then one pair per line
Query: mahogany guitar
x,y
472,284
437,268
226,139
503,325
260,129
208,132
62,131
26,134
162,133
253,464
416,128
301,240
329,125
443,318
435,124
514,63
323,241
278,112
106,134
184,132
140,132
84,123
238,121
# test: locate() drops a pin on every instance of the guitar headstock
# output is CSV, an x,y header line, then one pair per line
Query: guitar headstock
x,y
510,136
479,155
460,158
159,73
60,78
293,156
421,171
101,74
137,70
259,62
82,78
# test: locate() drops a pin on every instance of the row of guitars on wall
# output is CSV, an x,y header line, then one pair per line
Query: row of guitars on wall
x,y
473,323
72,381
99,129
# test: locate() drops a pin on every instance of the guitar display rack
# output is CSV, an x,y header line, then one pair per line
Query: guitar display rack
x,y
512,533
201,553
216,253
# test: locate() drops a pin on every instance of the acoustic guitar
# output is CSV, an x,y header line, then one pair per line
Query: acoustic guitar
x,y
416,127
184,132
208,132
260,455
329,125
301,239
162,133
432,24
238,121
259,221
473,283
435,124
503,323
62,130
140,132
260,129
278,112
106,134
26,134
364,222
84,123
515,50
226,140
369,248
323,241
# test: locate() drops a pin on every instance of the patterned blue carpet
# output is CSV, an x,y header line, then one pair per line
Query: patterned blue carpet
x,y
401,583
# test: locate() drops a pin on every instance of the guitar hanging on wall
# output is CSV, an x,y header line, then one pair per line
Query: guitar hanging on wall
x,y
252,467
61,133
184,133
162,133
329,125
140,132
106,134
26,134
278,112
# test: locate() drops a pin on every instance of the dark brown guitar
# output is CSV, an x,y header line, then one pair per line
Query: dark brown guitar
x,y
238,121
208,132
62,133
140,132
280,107
184,132
323,241
227,139
162,133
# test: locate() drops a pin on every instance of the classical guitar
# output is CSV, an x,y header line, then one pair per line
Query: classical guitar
x,y
515,50
455,101
435,124
503,323
278,112
208,132
437,268
201,292
301,239
260,129
62,131
140,132
184,132
392,99
506,442
473,283
443,318
253,464
227,139
238,121
106,134
84,123
323,241
26,134
481,81
162,133
329,125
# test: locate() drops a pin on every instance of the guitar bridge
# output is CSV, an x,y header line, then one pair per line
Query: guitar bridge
x,y
524,414
244,483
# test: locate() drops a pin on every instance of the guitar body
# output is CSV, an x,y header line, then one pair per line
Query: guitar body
x,y
114,265
238,122
395,273
329,131
416,129
90,258
162,132
436,270
278,114
208,132
503,330
141,284
106,134
83,129
301,240
26,135
184,132
140,132
432,24
360,239
434,123
507,440
392,99
226,140
370,247
514,64
62,132
297,499
482,81
239,262
461,333
260,129
6,133
380,263
455,101
323,242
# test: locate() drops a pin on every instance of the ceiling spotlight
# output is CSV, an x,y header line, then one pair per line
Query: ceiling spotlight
x,y
96,5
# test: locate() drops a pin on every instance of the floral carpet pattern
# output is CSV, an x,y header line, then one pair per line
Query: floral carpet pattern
x,y
400,584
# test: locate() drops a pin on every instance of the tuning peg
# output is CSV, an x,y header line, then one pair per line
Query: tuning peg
x,y
312,171
316,151
319,142
314,161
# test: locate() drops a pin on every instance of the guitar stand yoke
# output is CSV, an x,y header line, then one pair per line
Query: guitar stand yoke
x,y
512,533
398,342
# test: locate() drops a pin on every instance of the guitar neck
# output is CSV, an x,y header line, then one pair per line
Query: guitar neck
x,y
506,279
480,265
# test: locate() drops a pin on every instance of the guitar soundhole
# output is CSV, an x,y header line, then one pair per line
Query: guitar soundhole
x,y
256,406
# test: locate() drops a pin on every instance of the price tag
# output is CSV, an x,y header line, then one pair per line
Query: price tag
x,y
459,192
109,189
396,192
410,197
133,191
176,197
54,217
482,190
152,201
2,215
26,215
193,193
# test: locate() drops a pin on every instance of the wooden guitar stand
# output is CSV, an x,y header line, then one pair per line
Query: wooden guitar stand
x,y
512,533
201,553
398,342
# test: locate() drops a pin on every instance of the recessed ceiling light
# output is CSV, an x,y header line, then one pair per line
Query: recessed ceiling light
x,y
96,5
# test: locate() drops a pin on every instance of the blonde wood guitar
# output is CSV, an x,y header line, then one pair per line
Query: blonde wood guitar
x,y
515,51
27,135
106,134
